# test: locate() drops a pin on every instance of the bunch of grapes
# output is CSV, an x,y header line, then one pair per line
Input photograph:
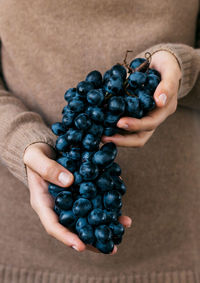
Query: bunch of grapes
x,y
92,205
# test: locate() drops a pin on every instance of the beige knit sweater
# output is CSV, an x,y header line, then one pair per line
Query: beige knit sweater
x,y
49,46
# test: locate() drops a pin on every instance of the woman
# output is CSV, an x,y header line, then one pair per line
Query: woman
x,y
48,47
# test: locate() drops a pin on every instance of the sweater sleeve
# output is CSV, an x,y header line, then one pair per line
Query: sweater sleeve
x,y
188,58
19,128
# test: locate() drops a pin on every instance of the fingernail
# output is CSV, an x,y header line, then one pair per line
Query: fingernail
x,y
75,248
114,250
64,178
163,98
123,126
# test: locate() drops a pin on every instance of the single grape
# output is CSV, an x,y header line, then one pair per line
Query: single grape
x,y
67,218
58,129
81,207
95,78
88,190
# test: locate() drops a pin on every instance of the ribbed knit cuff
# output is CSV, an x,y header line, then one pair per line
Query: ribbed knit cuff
x,y
27,133
185,56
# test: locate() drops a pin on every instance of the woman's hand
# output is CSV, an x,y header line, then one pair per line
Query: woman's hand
x,y
41,169
165,97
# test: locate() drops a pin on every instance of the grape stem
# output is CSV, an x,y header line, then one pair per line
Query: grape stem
x,y
144,67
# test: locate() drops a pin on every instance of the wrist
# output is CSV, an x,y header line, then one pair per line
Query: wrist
x,y
168,55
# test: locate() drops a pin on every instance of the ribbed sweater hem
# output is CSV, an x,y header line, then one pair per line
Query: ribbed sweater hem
x,y
10,274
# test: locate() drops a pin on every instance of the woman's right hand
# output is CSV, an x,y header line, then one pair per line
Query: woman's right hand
x,y
41,169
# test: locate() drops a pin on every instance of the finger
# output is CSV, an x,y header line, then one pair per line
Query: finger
x,y
125,221
131,140
166,89
47,168
147,123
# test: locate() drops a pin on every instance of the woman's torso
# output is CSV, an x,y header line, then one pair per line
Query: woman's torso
x,y
48,47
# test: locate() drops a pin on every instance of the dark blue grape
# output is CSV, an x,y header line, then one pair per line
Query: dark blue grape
x,y
96,130
81,207
97,201
76,105
87,156
106,248
68,118
54,190
137,78
102,158
114,85
84,87
67,218
86,234
95,78
118,70
104,182
96,114
111,148
75,153
58,129
67,163
81,222
57,210
154,72
89,171
82,121
64,200
107,75
133,107
111,119
117,240
109,131
95,97
61,143
103,233
117,229
114,169
97,217
90,142
112,216
143,90
146,101
77,178
74,136
112,200
116,105
119,185
88,190
152,82
70,93
137,62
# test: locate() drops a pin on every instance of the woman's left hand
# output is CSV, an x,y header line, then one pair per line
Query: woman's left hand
x,y
165,97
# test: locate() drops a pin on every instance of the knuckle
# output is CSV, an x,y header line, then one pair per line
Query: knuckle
x,y
48,170
33,203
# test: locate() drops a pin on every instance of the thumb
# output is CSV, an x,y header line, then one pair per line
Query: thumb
x,y
167,88
161,95
47,168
